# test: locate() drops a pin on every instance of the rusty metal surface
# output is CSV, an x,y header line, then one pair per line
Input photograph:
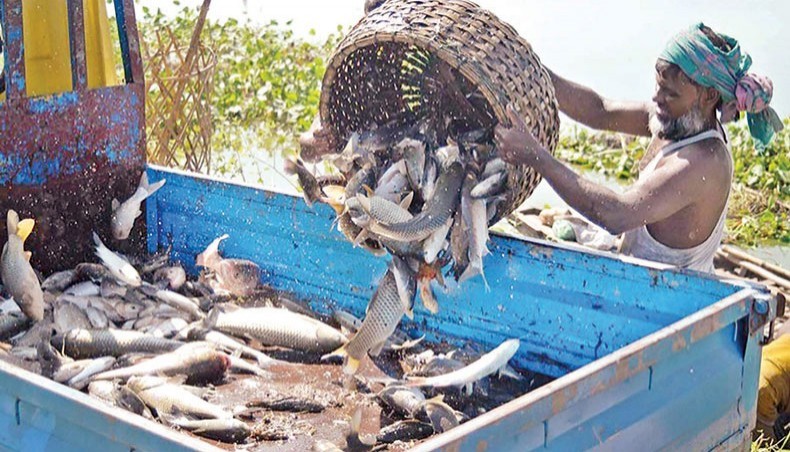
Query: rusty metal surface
x,y
64,157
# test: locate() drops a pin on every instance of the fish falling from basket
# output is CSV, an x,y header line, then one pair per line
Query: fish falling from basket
x,y
415,90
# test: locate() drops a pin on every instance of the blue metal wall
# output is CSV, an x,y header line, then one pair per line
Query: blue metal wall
x,y
647,358
569,308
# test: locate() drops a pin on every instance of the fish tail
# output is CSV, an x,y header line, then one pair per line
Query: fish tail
x,y
413,382
289,166
98,242
151,189
351,366
24,228
339,353
211,319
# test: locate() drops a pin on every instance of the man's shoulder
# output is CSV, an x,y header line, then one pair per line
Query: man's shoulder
x,y
709,157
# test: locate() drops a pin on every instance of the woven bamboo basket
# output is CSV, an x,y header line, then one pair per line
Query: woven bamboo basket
x,y
365,82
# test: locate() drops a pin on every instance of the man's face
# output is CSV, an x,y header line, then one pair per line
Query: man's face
x,y
677,112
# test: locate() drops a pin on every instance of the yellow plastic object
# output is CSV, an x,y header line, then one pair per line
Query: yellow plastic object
x,y
47,54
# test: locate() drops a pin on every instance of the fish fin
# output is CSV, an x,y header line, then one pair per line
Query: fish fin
x,y
469,389
289,166
97,241
356,420
151,189
351,366
12,222
437,399
440,279
115,204
28,255
406,201
364,202
376,350
361,237
368,190
339,353
409,312
24,228
211,319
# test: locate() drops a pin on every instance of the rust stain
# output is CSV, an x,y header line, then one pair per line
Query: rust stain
x,y
705,327
679,342
454,447
482,446
560,398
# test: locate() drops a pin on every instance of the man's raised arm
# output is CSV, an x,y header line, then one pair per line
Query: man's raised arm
x,y
587,107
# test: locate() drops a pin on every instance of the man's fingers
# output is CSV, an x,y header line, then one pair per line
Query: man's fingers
x,y
515,118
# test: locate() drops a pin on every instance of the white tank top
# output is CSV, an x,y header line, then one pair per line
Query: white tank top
x,y
639,243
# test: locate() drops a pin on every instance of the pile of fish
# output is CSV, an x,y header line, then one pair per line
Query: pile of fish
x,y
425,198
137,334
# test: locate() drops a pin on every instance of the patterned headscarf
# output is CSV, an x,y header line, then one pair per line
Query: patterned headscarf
x,y
709,66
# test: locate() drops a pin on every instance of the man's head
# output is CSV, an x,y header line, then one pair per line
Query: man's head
x,y
681,106
701,71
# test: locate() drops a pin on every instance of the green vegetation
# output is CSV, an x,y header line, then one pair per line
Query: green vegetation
x,y
759,210
267,86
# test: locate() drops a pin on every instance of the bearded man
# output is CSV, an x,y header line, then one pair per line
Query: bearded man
x,y
675,212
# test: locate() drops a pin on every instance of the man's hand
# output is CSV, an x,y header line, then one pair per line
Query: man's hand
x,y
317,142
516,144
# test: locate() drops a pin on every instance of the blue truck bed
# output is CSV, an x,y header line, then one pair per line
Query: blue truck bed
x,y
644,357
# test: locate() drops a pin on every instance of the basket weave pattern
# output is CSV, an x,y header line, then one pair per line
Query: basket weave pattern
x,y
363,84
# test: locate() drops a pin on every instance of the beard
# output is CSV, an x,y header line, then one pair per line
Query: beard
x,y
691,123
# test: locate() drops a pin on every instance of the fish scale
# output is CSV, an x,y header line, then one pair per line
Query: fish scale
x,y
436,212
279,327
82,343
384,313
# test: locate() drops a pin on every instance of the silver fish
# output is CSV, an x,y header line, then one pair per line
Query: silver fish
x,y
228,343
97,318
279,327
238,276
487,364
68,316
436,212
224,430
12,324
409,430
198,361
477,217
169,398
96,366
172,278
405,282
19,278
490,186
384,313
175,300
119,267
459,237
110,288
210,256
311,191
413,152
82,343
494,166
124,214
429,178
401,399
440,415
83,289
59,281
